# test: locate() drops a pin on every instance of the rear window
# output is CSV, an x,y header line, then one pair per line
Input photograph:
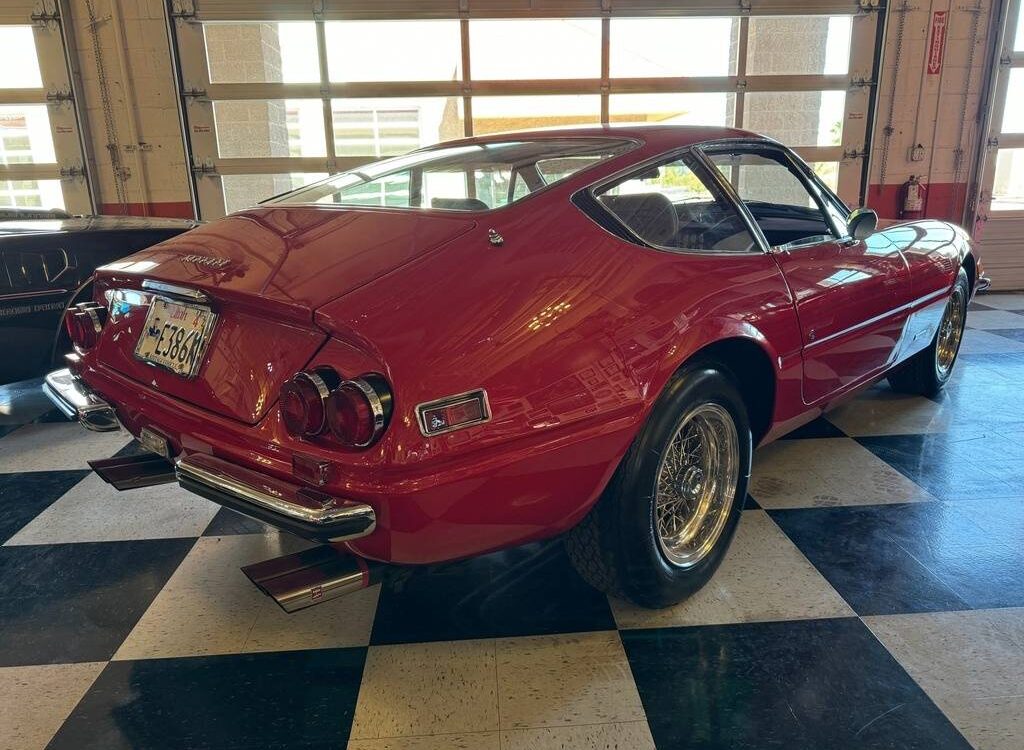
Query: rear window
x,y
475,177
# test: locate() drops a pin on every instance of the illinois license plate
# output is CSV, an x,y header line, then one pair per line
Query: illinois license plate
x,y
176,336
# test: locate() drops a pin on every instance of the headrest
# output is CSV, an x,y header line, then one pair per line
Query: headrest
x,y
651,215
459,204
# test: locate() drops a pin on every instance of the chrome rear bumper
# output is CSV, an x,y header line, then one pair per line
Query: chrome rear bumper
x,y
77,401
306,512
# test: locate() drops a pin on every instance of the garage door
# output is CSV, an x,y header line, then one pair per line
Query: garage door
x,y
278,94
41,163
1002,194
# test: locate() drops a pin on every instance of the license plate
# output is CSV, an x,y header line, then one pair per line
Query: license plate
x,y
175,336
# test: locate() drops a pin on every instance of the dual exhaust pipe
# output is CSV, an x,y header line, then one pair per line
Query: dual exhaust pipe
x,y
303,579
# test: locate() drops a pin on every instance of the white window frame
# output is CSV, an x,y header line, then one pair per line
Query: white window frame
x,y
59,96
199,93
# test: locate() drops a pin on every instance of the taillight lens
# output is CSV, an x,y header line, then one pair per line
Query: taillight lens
x,y
84,323
303,401
358,411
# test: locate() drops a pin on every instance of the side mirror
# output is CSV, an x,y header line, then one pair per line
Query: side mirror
x,y
862,223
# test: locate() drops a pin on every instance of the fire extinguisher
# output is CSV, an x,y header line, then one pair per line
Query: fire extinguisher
x,y
912,195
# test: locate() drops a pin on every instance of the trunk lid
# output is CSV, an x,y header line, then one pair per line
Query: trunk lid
x,y
265,272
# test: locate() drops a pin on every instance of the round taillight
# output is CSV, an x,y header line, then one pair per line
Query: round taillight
x,y
83,327
302,402
358,411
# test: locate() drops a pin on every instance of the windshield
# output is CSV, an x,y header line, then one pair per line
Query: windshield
x,y
474,177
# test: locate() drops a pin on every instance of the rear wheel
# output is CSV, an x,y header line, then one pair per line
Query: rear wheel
x,y
929,370
663,524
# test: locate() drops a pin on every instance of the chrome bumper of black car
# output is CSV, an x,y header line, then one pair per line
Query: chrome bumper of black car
x,y
77,401
306,512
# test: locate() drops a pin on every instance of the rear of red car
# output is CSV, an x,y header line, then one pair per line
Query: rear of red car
x,y
251,354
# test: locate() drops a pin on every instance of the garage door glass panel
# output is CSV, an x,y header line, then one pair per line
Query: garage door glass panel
x,y
650,47
1013,113
31,194
25,136
1008,188
495,114
540,48
19,65
259,128
245,190
828,171
669,206
672,109
797,118
387,127
394,51
262,52
799,45
1018,42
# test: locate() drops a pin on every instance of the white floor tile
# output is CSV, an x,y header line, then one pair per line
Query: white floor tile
x,y
763,577
970,664
55,446
94,511
35,701
446,687
633,735
988,320
210,607
1000,301
826,472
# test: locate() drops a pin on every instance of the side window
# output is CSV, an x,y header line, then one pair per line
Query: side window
x,y
670,206
779,200
389,190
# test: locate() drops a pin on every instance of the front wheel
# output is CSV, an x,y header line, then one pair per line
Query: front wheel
x,y
662,526
930,369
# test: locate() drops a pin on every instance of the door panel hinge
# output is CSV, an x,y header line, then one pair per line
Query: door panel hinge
x,y
205,167
44,17
992,143
855,153
184,10
72,172
59,97
861,83
193,93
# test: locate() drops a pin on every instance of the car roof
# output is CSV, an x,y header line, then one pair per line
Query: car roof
x,y
657,136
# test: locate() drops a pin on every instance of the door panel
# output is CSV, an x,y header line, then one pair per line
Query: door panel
x,y
849,293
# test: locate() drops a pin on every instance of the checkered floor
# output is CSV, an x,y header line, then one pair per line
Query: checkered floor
x,y
874,597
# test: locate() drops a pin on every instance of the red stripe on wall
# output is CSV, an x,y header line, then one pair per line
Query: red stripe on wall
x,y
943,200
168,210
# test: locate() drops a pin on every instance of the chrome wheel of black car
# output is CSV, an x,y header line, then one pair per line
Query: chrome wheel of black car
x,y
696,484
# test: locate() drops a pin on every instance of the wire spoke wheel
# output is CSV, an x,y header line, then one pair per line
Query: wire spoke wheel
x,y
950,332
696,484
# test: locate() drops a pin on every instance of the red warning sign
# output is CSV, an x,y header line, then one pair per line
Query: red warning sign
x,y
937,44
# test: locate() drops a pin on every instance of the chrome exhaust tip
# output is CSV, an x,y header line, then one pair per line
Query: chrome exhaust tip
x,y
77,401
132,472
313,576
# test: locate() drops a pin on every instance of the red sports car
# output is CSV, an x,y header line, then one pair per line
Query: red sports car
x,y
505,338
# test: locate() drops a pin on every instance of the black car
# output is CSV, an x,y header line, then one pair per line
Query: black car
x,y
46,265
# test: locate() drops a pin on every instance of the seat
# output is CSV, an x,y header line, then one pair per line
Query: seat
x,y
459,204
650,215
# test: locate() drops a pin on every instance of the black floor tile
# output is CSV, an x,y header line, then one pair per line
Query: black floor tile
x,y
296,699
751,504
77,602
960,464
979,306
24,496
918,557
530,590
819,428
228,522
810,684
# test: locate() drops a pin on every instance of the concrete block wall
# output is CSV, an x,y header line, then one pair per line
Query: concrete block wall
x,y
940,110
144,123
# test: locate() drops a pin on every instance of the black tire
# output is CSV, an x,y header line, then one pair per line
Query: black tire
x,y
616,548
922,374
